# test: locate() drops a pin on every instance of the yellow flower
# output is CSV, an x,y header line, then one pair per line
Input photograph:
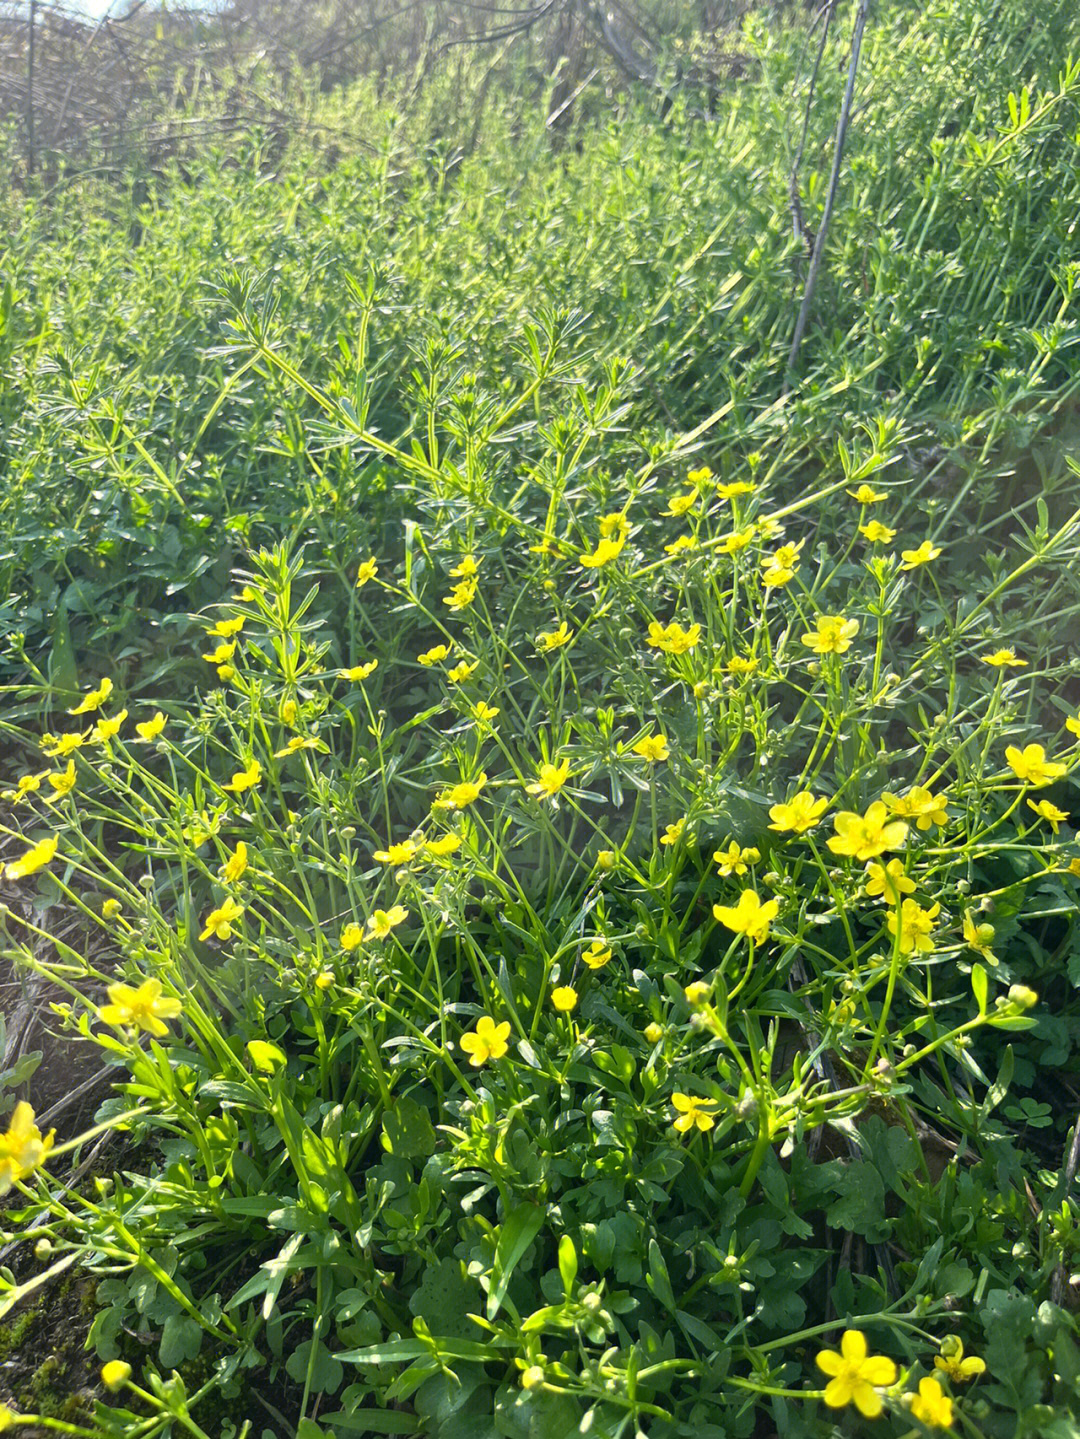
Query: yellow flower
x,y
115,1373
95,699
932,1406
359,672
694,1112
680,543
833,635
922,556
288,711
855,1375
866,836
738,539
781,566
222,654
22,1149
877,533
484,713
299,742
352,937
62,783
696,993
434,655
734,860
466,569
384,920
1050,812
735,488
462,671
653,1032
749,916
110,909
740,665
613,526
653,748
219,922
324,979
1073,725
802,812
920,805
865,495
679,504
142,1008
1003,659
226,672
605,859
225,629
1031,766
1074,867
367,571
554,639
597,954
605,552
979,937
889,880
459,796
672,638
57,747
461,596
443,846
551,780
151,728
915,926
245,778
235,865
400,853
564,999
951,1361
28,784
487,1041
674,832
700,476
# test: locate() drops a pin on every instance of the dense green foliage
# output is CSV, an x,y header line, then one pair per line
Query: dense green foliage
x,y
283,422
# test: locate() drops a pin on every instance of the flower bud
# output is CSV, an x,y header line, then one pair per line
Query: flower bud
x,y
1022,996
533,1377
115,1373
653,1033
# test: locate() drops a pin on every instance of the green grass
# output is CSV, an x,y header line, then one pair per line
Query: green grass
x,y
528,397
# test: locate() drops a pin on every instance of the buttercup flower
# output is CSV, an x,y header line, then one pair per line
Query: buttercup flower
x,y
245,778
1031,766
738,539
142,1008
674,832
433,655
484,713
749,916
781,566
888,880
235,865
107,729
979,937
932,1406
359,672
22,1149
466,568
225,629
734,489
605,552
463,671
742,665
922,556
554,639
61,784
694,1113
1072,724
487,1041
679,504
35,858
95,699
1003,659
865,495
653,1032
802,812
219,922
735,860
551,780
400,853
222,654
855,1375
697,992
915,925
920,805
352,937
672,639
461,596
115,1373
699,476
383,921
653,748
564,999
680,543
597,954
28,784
951,1361
367,571
151,728
60,746
833,635
1050,812
459,796
110,909
866,836
446,844
877,533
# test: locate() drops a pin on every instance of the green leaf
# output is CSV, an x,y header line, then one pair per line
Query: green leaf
x,y
407,1130
516,1233
978,985
181,1340
658,1280
568,1264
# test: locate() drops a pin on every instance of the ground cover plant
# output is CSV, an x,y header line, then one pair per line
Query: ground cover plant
x,y
567,848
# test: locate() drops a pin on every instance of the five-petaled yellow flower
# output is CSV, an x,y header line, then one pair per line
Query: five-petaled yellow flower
x,y
1050,812
219,922
679,504
913,927
979,937
61,784
800,813
932,1406
484,713
597,954
750,916
926,552
734,489
951,1361
742,664
22,1149
235,865
920,805
95,699
550,780
865,836
832,636
605,552
877,533
867,496
680,543
151,728
383,921
463,671
225,629
554,639
1031,766
444,845
142,1008
352,937
888,880
734,859
107,729
674,832
466,569
781,567
855,1375
367,571
359,672
694,1113
59,746
564,998
738,539
434,655
400,853
487,1041
222,653
1003,659
461,596
653,748
459,796
672,639
35,858
245,778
